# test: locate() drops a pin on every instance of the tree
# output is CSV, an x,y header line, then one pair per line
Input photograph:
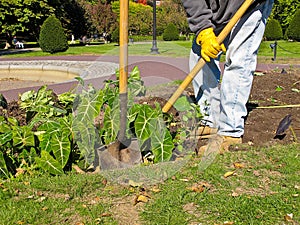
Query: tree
x,y
172,11
52,37
101,17
284,10
23,16
140,17
72,15
293,31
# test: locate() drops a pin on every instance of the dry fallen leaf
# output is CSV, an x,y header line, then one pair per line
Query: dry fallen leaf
x,y
234,194
155,189
78,170
19,172
135,184
184,179
196,188
199,187
228,223
106,214
228,174
238,165
289,217
79,223
256,173
140,198
26,183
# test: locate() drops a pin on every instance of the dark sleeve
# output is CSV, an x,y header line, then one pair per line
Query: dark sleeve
x,y
199,15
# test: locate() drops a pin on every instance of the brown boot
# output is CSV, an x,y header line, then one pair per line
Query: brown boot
x,y
220,144
203,131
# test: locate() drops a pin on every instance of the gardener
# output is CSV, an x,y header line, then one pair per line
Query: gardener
x,y
224,106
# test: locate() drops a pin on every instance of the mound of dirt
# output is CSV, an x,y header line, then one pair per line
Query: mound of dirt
x,y
274,95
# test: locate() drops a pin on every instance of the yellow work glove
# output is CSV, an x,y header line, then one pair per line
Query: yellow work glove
x,y
209,45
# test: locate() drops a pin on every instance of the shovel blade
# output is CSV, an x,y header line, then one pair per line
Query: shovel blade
x,y
107,159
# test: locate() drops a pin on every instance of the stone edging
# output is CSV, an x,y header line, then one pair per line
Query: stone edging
x,y
84,69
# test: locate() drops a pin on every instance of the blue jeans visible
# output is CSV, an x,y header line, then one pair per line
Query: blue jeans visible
x,y
224,102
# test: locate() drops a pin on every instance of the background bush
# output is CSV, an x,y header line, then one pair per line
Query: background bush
x,y
273,30
52,37
293,31
115,35
171,33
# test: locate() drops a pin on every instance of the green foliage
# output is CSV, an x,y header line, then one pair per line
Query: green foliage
x,y
52,37
171,33
140,17
101,16
293,31
46,141
115,35
18,16
284,11
66,129
273,30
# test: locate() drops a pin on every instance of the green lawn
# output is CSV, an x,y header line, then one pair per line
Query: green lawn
x,y
264,189
286,51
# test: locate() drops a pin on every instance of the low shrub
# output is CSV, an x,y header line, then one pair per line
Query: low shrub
x,y
171,33
273,30
115,35
52,37
293,31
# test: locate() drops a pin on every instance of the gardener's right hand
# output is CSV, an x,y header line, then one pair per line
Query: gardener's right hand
x,y
209,45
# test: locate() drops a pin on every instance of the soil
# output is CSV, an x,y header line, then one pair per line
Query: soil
x,y
274,88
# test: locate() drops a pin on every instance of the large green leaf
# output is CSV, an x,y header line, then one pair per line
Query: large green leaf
x,y
182,104
50,128
161,141
48,163
3,168
143,127
61,147
135,73
4,138
55,139
85,135
2,123
111,124
23,136
90,105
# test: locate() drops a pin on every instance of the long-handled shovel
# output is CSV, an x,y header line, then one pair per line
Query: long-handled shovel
x,y
123,152
221,37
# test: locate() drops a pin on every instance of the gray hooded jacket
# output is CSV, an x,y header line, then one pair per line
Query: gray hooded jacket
x,y
203,14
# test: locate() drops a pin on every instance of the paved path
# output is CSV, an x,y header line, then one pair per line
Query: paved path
x,y
154,69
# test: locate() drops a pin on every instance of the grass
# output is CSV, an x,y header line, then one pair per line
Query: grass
x,y
264,189
287,52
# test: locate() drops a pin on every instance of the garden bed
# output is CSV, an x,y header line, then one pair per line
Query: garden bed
x,y
270,90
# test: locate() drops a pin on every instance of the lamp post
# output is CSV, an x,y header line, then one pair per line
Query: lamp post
x,y
154,49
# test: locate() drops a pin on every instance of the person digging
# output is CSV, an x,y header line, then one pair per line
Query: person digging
x,y
223,99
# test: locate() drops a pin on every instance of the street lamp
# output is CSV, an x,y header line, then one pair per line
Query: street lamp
x,y
154,49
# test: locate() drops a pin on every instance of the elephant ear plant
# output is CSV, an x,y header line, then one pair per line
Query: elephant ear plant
x,y
147,123
58,131
44,141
